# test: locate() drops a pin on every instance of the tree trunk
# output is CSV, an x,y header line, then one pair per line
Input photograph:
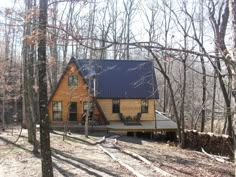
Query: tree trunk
x,y
226,99
182,115
28,80
129,11
53,48
166,64
47,170
172,95
89,104
220,26
114,27
203,95
213,103
233,14
3,110
201,24
214,94
24,122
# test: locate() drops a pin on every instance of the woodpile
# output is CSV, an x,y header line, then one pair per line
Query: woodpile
x,y
214,144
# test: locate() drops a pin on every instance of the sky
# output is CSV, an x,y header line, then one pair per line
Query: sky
x,y
137,27
9,3
6,3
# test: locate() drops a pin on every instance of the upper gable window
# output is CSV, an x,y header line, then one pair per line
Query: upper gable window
x,y
73,80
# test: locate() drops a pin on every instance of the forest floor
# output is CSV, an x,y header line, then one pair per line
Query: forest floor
x,y
80,156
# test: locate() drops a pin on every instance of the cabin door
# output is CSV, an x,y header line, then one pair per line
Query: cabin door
x,y
73,111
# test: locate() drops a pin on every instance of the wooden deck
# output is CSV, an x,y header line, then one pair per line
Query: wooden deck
x,y
79,128
145,126
161,123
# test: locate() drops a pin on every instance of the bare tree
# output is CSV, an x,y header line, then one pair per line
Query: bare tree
x,y
130,7
233,18
214,94
47,170
105,28
160,68
114,16
53,46
9,71
204,87
28,79
167,20
220,25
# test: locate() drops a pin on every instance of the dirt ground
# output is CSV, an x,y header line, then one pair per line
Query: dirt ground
x,y
79,156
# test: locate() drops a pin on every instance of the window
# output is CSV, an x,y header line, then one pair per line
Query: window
x,y
57,110
144,106
73,111
115,106
73,80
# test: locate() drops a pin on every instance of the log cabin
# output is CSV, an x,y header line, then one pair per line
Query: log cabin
x,y
119,95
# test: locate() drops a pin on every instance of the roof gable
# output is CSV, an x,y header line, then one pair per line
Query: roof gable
x,y
121,78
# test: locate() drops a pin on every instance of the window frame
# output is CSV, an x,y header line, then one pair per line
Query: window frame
x,y
144,106
115,105
72,79
58,110
73,112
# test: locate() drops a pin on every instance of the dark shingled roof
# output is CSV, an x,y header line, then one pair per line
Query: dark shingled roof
x,y
121,78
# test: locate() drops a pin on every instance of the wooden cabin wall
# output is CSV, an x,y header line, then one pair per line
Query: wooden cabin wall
x,y
128,107
79,94
67,94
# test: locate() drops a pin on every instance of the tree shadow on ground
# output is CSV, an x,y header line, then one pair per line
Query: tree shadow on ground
x,y
14,144
158,160
179,170
69,159
86,141
71,138
223,171
178,160
79,140
77,165
65,173
189,163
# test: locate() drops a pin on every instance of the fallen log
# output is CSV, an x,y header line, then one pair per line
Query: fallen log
x,y
137,156
216,157
135,173
103,140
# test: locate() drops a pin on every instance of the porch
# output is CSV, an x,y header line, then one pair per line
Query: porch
x,y
161,123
